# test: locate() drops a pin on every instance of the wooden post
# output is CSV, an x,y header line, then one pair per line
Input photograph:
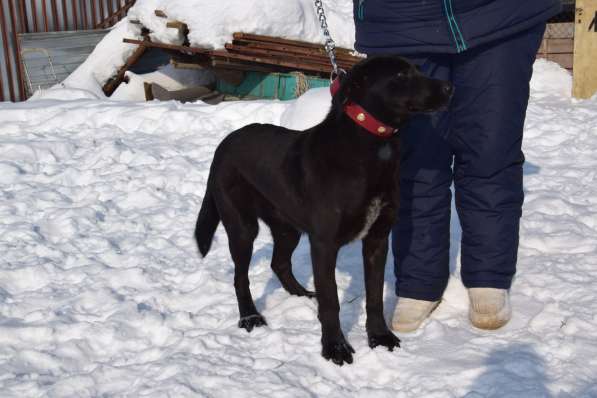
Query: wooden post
x,y
585,49
15,41
64,15
148,92
4,25
45,14
56,27
112,84
34,15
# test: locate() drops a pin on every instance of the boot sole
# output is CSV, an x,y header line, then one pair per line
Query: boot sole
x,y
490,321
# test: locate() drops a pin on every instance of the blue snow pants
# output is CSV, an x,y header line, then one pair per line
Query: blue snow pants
x,y
475,145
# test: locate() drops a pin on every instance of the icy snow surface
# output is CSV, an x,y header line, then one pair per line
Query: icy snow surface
x,y
102,292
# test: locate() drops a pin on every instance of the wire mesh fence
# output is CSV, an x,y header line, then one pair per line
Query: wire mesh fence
x,y
562,25
558,41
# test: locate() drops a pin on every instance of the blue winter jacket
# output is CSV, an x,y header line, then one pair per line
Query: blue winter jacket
x,y
442,26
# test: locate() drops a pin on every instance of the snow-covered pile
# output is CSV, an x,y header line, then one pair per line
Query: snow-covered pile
x,y
211,25
102,292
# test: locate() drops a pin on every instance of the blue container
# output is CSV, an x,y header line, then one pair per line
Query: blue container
x,y
282,86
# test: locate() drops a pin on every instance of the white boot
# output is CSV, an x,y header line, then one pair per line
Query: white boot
x,y
410,313
489,308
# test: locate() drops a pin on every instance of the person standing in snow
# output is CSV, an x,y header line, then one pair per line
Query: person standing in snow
x,y
486,48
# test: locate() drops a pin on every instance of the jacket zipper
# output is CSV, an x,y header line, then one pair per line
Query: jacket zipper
x,y
454,28
361,10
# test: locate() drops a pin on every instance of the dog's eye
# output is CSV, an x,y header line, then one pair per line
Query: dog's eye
x,y
401,75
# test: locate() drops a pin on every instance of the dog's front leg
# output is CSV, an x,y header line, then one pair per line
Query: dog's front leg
x,y
334,345
375,249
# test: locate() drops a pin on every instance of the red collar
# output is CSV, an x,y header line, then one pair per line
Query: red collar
x,y
363,118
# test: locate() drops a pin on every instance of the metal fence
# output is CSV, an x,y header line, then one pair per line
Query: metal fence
x,y
31,16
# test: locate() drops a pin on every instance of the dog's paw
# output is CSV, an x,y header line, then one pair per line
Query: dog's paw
x,y
387,340
251,321
338,351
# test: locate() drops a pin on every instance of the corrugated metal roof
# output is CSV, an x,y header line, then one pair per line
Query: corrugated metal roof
x,y
51,56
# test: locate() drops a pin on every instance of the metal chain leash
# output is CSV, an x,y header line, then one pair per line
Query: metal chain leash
x,y
330,44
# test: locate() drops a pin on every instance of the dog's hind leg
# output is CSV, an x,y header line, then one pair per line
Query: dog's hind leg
x,y
240,222
286,238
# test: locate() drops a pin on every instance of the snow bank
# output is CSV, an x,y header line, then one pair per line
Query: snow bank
x,y
553,80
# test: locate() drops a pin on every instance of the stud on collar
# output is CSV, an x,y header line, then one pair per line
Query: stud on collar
x,y
361,117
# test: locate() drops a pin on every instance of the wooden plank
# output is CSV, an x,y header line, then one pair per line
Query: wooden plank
x,y
64,15
559,46
101,11
110,8
298,43
226,56
33,5
115,81
296,50
45,15
75,11
585,48
4,24
177,25
148,92
54,13
23,15
315,59
93,13
251,52
84,14
15,41
112,16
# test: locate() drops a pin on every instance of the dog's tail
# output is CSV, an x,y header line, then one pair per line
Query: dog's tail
x,y
207,222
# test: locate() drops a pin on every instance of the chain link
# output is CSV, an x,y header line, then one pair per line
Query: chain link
x,y
330,44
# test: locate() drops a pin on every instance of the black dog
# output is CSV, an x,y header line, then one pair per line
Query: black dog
x,y
337,182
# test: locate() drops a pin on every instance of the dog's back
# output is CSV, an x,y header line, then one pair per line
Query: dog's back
x,y
257,158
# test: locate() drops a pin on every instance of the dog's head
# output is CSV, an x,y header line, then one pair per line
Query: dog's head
x,y
392,89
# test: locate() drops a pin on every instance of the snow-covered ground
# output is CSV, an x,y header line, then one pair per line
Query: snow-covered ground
x,y
102,292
